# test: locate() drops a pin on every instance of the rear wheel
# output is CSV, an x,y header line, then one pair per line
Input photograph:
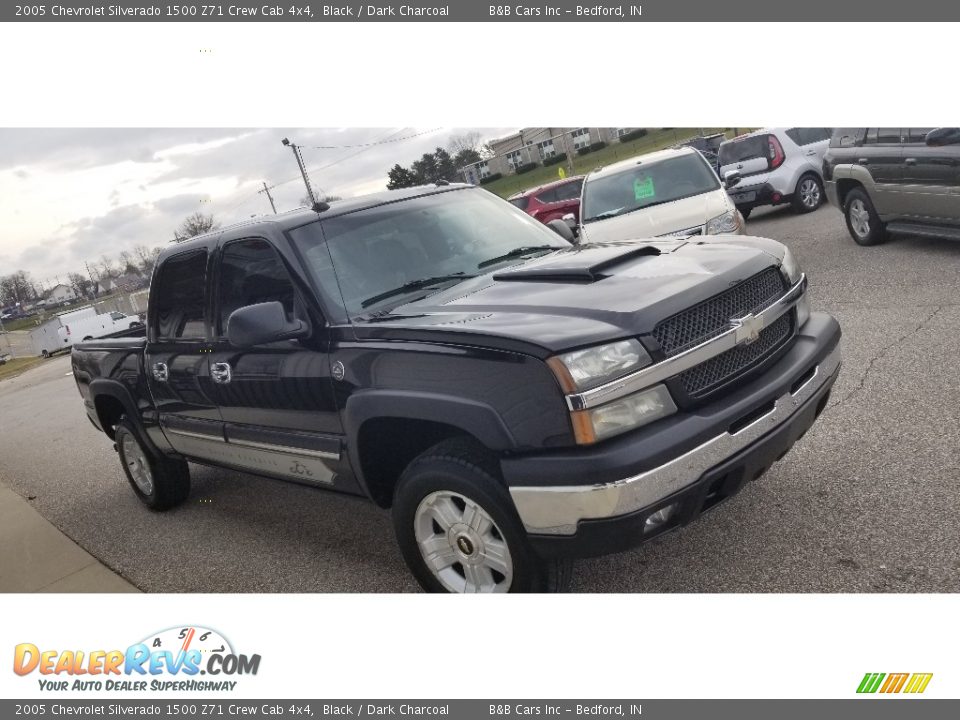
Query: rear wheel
x,y
745,211
160,482
862,220
459,531
808,195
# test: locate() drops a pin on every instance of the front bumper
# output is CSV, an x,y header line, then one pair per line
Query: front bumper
x,y
691,465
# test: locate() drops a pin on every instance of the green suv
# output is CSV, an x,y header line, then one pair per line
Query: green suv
x,y
895,180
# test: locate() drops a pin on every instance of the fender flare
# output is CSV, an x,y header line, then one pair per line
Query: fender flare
x,y
104,387
471,416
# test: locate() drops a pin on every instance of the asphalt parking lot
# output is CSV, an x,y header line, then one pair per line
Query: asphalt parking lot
x,y
866,502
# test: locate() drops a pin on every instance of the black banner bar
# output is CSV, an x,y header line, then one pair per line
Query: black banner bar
x,y
479,11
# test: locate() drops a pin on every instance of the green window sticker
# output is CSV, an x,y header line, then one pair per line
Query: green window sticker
x,y
643,189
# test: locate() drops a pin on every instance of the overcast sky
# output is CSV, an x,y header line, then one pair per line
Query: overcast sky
x,y
69,196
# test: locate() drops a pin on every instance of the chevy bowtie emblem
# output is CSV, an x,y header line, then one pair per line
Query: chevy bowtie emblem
x,y
747,329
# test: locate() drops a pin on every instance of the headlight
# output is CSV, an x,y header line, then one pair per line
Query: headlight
x,y
790,267
621,415
728,223
584,369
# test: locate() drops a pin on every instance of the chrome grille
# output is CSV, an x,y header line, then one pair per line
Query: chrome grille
x,y
712,317
699,380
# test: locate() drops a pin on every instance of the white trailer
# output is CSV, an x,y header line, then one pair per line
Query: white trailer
x,y
62,331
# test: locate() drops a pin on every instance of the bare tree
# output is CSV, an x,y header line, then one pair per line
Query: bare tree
x,y
127,265
105,268
470,140
146,258
17,288
80,283
193,225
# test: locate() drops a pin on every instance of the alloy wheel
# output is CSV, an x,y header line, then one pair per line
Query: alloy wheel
x,y
462,545
859,218
138,465
810,193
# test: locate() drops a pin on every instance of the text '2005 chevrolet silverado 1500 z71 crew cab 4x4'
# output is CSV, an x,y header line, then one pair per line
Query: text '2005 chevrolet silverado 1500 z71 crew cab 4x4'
x,y
517,400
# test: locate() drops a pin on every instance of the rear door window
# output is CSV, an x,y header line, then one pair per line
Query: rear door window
x,y
570,190
883,136
180,298
846,137
917,136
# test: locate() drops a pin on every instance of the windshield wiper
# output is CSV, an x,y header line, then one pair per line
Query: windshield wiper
x,y
413,285
604,215
518,252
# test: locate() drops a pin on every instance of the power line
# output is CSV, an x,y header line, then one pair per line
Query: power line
x,y
371,144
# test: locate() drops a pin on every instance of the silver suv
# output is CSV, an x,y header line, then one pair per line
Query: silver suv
x,y
895,180
776,166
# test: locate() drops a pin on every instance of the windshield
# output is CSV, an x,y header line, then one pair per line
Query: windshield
x,y
647,184
395,253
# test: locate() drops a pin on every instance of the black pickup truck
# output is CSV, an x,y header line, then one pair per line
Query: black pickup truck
x,y
518,400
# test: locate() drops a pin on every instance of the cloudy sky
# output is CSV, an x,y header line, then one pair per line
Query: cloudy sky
x,y
69,196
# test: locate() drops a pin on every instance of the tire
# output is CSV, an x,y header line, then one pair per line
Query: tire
x,y
88,337
863,223
451,498
745,211
808,195
161,483
45,354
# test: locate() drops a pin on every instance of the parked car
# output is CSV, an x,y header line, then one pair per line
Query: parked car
x,y
895,180
60,332
551,201
516,400
777,166
669,192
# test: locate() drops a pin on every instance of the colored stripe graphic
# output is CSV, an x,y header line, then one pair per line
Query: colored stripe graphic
x,y
918,683
894,683
870,682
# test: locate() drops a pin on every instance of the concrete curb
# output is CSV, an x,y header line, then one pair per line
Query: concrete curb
x,y
36,557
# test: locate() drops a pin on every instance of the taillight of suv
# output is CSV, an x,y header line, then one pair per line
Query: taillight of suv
x,y
775,157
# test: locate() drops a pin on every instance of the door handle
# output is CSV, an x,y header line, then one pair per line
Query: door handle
x,y
910,161
161,373
220,372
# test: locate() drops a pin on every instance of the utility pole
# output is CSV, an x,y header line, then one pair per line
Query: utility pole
x,y
303,171
269,196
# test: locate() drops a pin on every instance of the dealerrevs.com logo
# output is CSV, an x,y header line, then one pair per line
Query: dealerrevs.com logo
x,y
172,659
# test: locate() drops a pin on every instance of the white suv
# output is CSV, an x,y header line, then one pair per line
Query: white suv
x,y
669,192
776,166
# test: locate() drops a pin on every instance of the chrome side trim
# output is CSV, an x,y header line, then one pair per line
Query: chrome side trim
x,y
189,434
557,510
665,369
286,449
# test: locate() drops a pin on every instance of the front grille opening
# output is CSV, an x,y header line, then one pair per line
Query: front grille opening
x,y
712,317
751,417
803,380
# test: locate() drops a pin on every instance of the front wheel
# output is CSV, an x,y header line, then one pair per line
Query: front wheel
x,y
808,195
159,482
745,211
458,530
862,220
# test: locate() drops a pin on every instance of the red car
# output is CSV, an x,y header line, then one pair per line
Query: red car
x,y
551,201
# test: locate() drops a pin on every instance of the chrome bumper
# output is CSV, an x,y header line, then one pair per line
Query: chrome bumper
x,y
557,510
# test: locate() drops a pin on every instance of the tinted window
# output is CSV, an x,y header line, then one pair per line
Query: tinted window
x,y
647,184
251,272
883,136
179,296
748,148
918,136
569,191
845,137
548,196
520,202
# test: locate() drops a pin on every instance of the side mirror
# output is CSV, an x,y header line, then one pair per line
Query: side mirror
x,y
731,178
561,228
943,136
262,323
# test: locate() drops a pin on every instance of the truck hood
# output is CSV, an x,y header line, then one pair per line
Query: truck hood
x,y
672,217
581,296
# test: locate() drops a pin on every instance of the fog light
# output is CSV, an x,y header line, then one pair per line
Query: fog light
x,y
659,518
